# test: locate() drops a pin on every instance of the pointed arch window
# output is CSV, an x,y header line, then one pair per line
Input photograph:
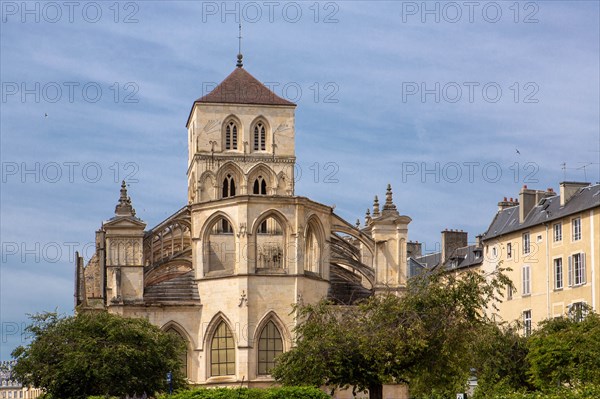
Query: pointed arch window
x,y
231,136
220,248
260,137
313,251
270,244
260,186
183,358
222,351
270,345
228,186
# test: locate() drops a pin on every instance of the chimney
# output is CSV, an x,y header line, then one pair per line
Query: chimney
x,y
527,202
413,249
568,189
452,240
478,238
506,203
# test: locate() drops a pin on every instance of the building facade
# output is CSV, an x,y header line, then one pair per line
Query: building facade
x,y
551,243
10,388
224,271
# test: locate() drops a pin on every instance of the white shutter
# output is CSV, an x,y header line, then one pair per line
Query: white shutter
x,y
570,271
583,275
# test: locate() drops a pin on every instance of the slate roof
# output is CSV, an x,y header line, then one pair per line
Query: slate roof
x,y
429,260
548,209
242,88
461,258
468,256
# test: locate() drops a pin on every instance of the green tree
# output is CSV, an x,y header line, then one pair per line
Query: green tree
x,y
565,351
97,354
500,360
423,337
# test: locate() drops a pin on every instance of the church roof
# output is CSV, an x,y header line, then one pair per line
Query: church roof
x,y
240,87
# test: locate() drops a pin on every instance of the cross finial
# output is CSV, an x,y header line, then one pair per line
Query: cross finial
x,y
240,56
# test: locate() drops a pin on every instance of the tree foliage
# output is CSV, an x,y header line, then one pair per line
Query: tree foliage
x,y
564,351
423,337
500,360
250,393
97,354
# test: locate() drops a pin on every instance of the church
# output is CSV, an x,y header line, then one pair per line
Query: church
x,y
225,270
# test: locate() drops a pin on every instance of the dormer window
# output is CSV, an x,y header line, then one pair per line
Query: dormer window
x,y
231,136
260,137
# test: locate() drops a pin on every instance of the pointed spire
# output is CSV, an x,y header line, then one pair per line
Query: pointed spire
x,y
240,56
368,217
357,223
376,207
124,207
389,201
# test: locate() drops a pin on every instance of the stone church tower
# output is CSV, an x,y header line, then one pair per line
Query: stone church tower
x,y
224,271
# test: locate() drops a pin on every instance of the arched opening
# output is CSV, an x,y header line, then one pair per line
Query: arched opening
x,y
312,253
269,244
222,351
184,356
260,137
260,186
231,136
228,186
221,246
270,345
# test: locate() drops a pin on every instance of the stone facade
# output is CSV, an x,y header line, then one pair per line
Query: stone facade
x,y
551,243
225,270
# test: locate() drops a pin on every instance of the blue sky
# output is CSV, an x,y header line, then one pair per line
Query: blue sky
x,y
435,98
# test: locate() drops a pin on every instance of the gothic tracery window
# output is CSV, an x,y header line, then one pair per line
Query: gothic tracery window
x,y
228,186
260,137
231,136
270,345
183,357
220,247
313,251
260,186
269,245
222,351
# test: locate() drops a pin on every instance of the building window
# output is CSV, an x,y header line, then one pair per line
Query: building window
x,y
558,274
228,186
578,311
576,223
183,356
220,248
557,229
527,322
312,254
260,137
509,250
509,292
270,345
260,186
269,245
222,352
577,269
231,136
494,252
526,243
526,280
